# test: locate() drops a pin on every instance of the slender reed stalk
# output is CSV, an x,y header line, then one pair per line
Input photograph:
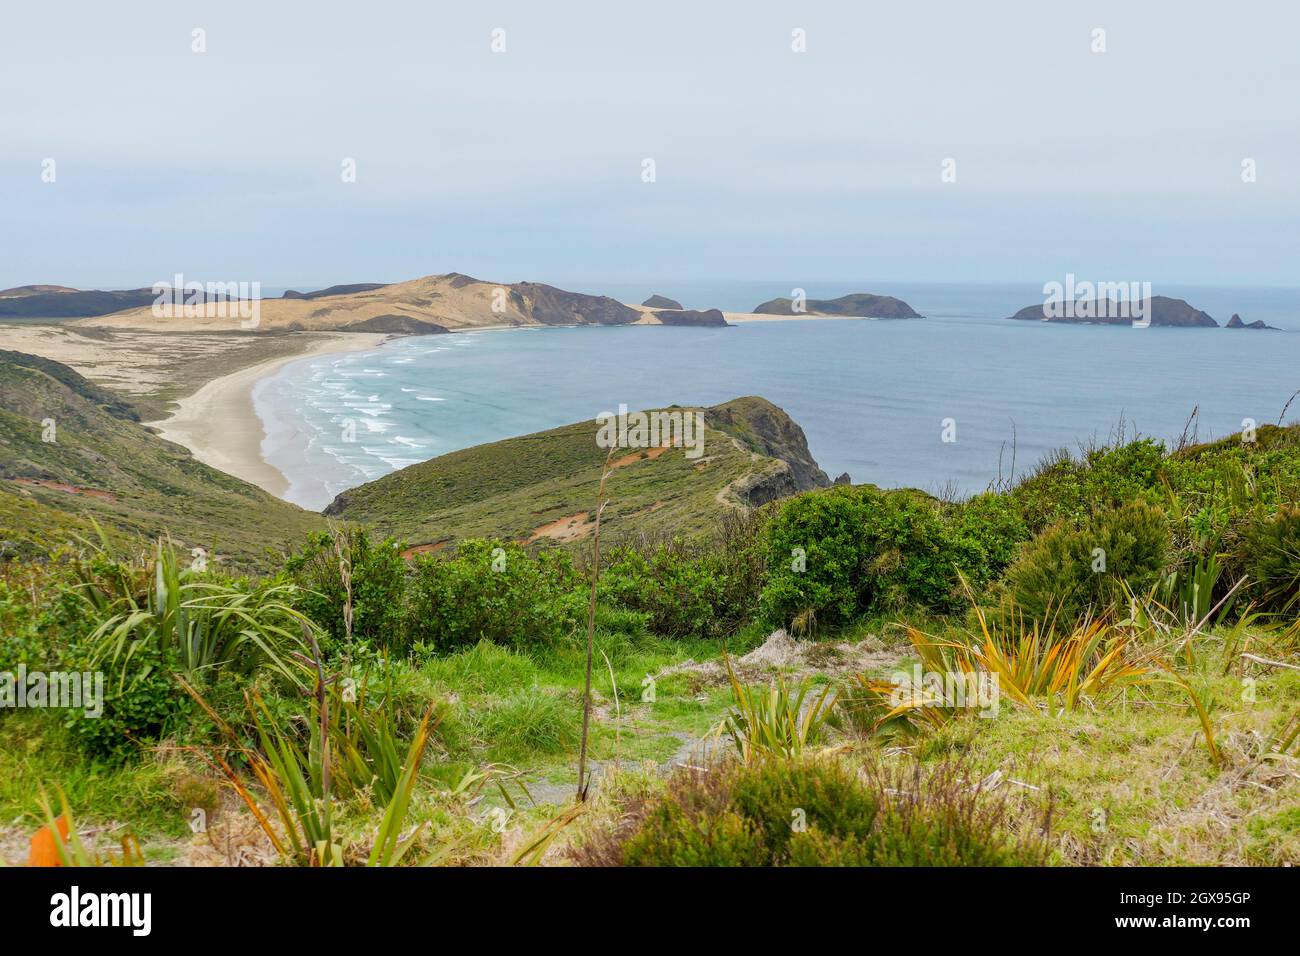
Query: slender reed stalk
x,y
591,629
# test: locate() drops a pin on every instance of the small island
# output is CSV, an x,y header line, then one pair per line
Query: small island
x,y
662,302
705,317
1236,323
857,305
1159,309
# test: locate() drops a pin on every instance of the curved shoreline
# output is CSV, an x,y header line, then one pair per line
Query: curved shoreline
x,y
220,425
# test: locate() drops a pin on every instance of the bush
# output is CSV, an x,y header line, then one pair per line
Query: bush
x,y
1067,489
846,551
816,550
1069,569
816,813
142,707
378,574
704,589
492,591
680,594
984,535
1270,553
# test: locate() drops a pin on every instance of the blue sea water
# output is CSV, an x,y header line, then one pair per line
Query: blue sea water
x,y
872,396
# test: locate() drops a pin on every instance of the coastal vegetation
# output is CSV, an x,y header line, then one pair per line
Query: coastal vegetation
x,y
1098,664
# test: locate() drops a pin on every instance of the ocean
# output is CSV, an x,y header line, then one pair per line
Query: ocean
x,y
876,399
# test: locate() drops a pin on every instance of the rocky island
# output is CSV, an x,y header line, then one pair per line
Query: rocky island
x,y
1236,323
1160,309
858,304
662,302
704,317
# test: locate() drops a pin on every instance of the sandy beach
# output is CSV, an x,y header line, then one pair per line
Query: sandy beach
x,y
742,317
220,425
739,318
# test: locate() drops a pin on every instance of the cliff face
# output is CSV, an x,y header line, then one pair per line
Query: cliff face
x,y
1161,310
859,304
548,305
769,431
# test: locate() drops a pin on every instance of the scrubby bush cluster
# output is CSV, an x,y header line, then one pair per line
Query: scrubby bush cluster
x,y
690,588
816,812
1078,537
852,550
1074,567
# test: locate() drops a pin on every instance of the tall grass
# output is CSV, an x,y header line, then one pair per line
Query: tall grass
x,y
296,776
591,627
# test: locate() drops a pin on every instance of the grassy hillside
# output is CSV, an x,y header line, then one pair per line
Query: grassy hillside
x,y
545,485
103,463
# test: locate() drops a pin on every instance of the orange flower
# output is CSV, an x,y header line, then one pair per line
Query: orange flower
x,y
45,849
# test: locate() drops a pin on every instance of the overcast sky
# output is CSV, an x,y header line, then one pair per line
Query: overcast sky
x,y
528,164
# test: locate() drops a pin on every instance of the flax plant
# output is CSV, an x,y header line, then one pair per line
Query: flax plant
x,y
776,720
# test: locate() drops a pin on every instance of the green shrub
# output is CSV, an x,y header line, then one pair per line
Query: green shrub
x,y
1270,553
200,626
816,550
1068,489
492,591
984,535
1069,569
690,588
378,574
816,813
680,594
849,550
142,708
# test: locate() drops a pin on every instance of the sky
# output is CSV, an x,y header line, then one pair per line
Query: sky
x,y
529,162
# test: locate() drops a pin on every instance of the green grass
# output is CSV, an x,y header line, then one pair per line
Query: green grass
x,y
137,479
526,725
35,752
485,668
525,710
1132,782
